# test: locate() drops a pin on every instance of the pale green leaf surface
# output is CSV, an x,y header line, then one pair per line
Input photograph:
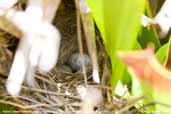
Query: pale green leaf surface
x,y
118,22
148,34
162,53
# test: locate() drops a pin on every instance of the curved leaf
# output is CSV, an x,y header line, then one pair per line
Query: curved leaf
x,y
118,22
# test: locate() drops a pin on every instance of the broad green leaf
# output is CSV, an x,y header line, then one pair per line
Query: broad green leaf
x,y
126,79
161,54
137,45
148,34
164,54
118,22
164,102
168,57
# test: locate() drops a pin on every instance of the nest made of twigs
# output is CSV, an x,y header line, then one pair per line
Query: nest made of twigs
x,y
57,91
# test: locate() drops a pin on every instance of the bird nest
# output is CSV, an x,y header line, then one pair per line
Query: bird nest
x,y
59,90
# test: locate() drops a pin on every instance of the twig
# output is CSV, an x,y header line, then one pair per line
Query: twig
x,y
41,105
45,99
89,30
80,41
50,92
129,104
27,99
101,87
13,104
142,107
42,78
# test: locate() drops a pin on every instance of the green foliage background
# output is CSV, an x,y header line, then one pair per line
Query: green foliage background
x,y
120,27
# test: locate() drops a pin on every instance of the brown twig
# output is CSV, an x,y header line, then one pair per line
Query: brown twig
x,y
80,41
51,92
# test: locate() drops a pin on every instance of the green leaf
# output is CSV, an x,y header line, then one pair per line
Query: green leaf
x,y
168,57
163,105
148,34
161,54
118,22
137,45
